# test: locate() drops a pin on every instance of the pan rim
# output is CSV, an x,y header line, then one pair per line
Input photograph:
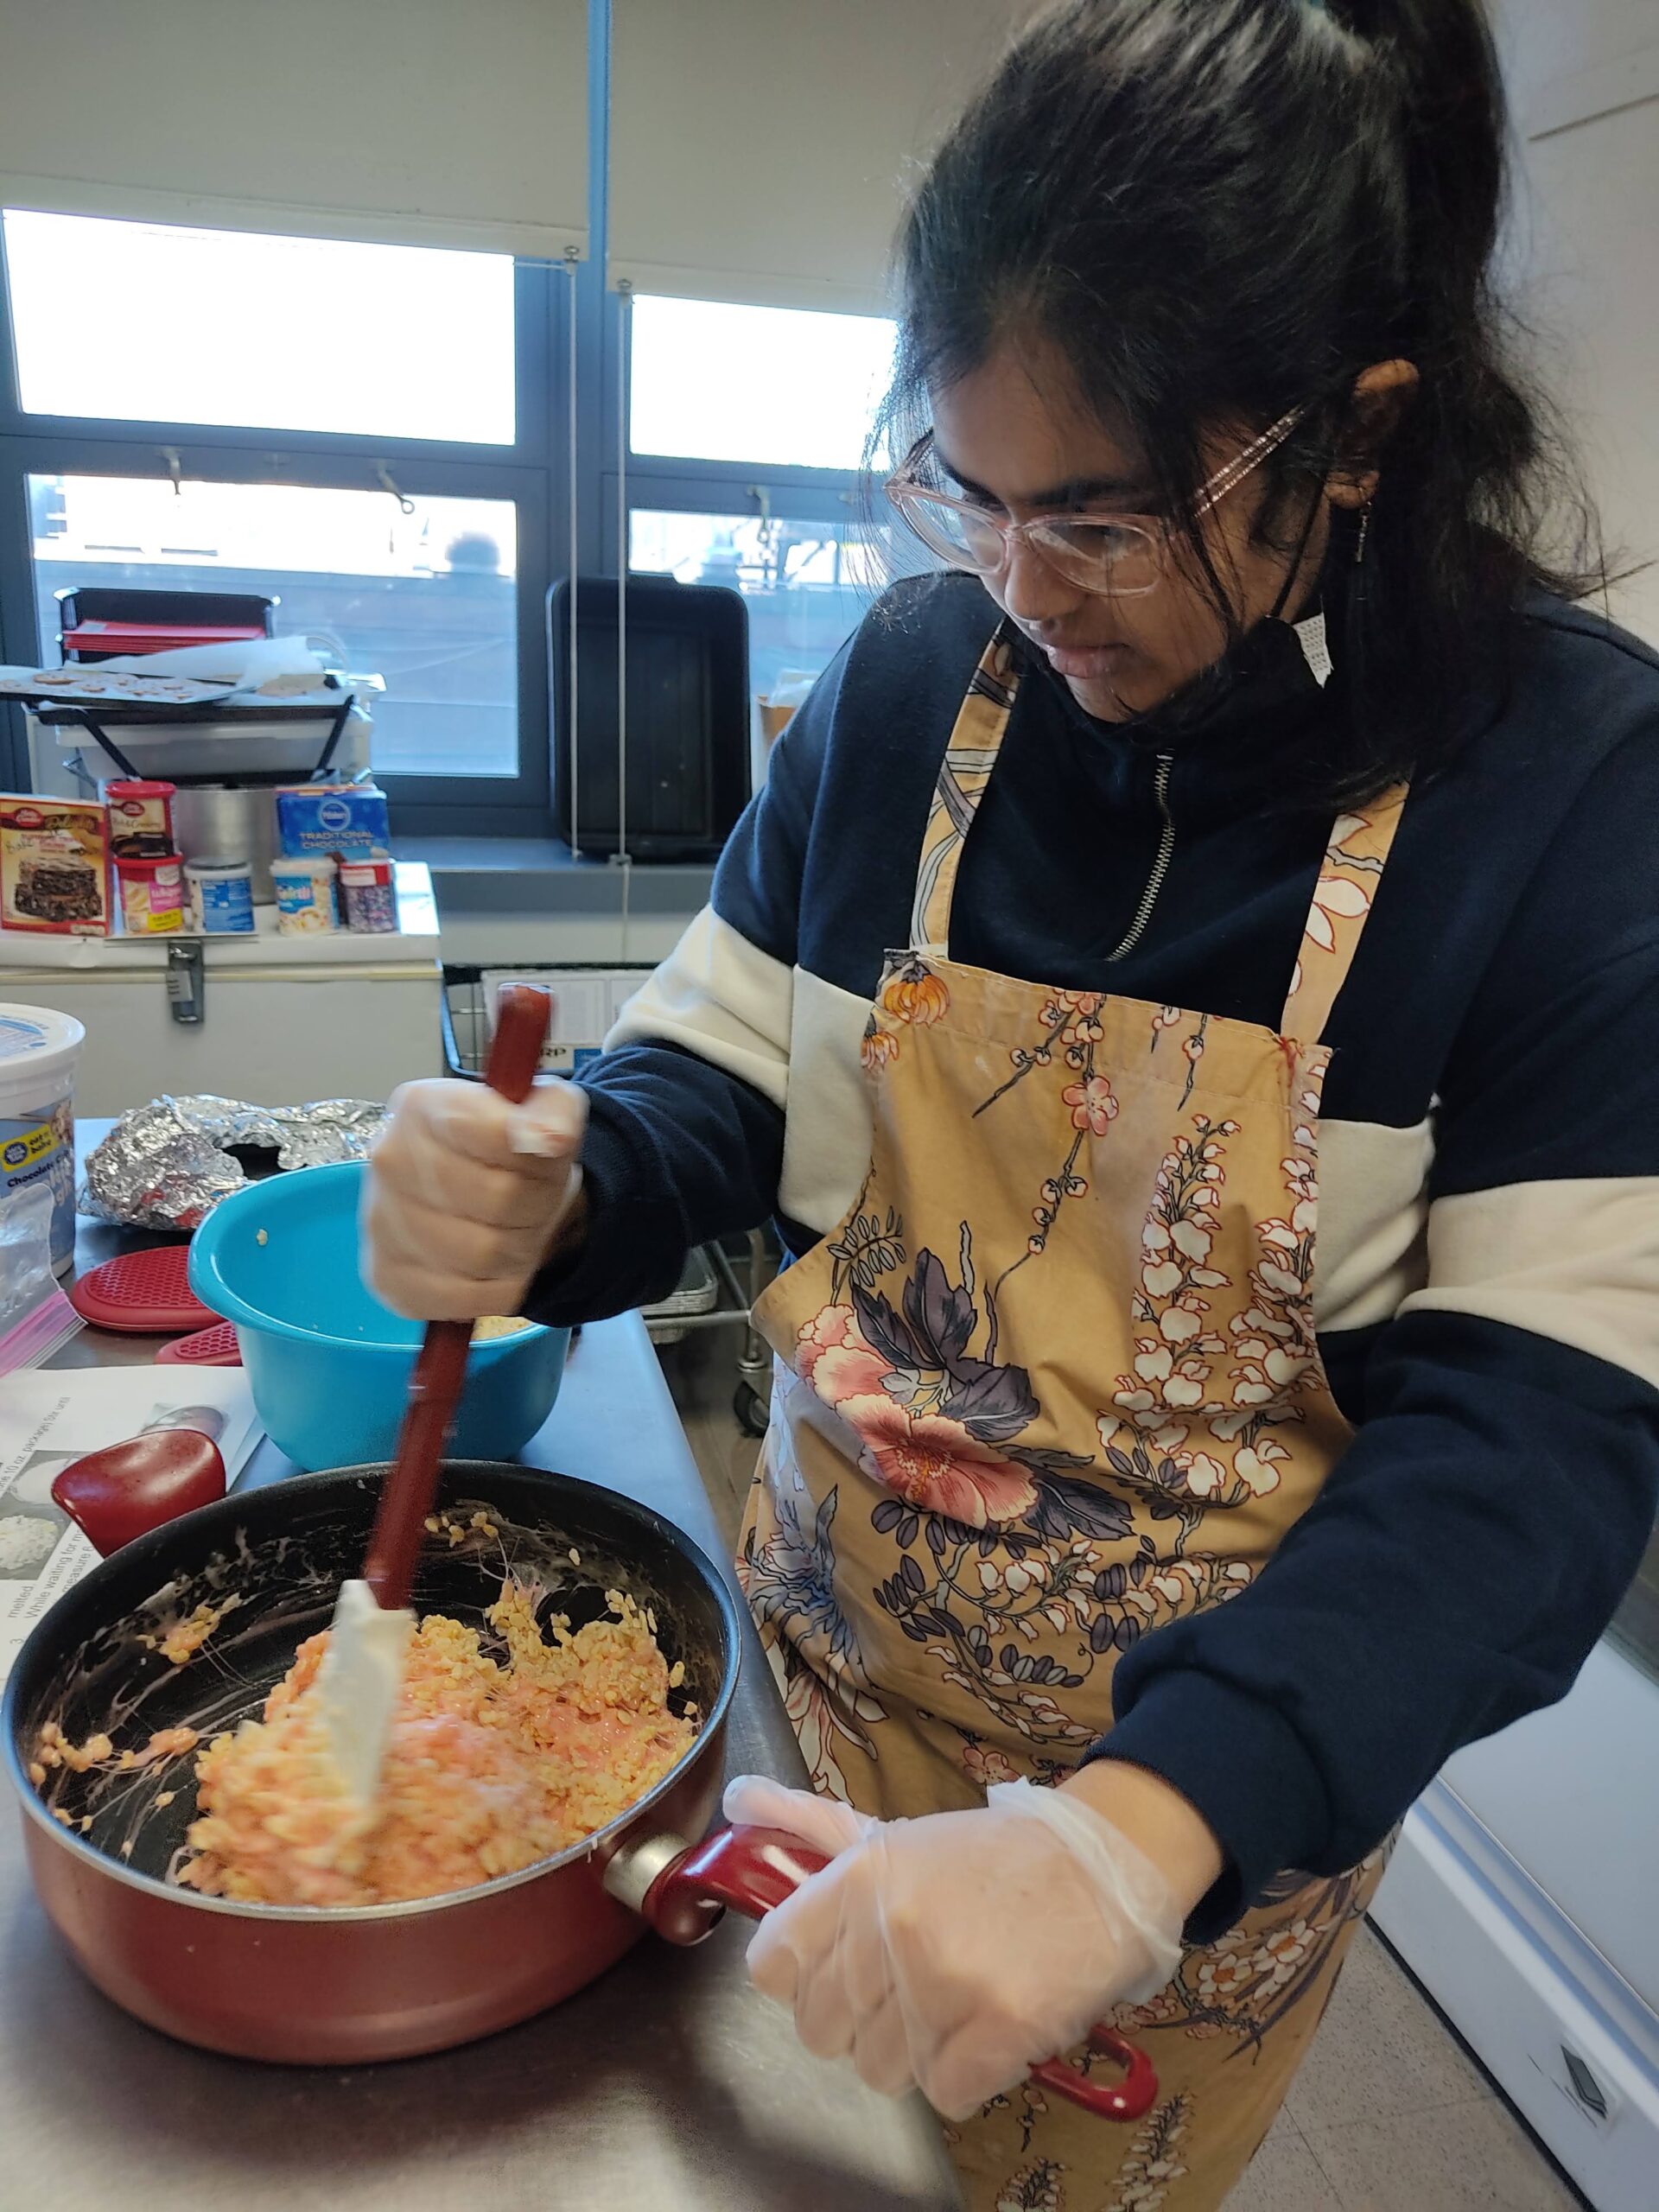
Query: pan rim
x,y
586,1847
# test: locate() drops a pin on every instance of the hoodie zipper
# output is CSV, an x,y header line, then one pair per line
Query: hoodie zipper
x,y
1159,867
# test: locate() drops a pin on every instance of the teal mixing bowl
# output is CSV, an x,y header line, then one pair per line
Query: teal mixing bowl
x,y
329,1365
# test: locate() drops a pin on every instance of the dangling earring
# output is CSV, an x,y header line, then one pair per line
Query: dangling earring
x,y
1357,614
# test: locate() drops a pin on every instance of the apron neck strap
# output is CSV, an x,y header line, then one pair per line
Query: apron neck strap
x,y
964,772
1349,874
1352,868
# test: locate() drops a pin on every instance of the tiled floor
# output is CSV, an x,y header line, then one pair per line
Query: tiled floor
x,y
1388,2114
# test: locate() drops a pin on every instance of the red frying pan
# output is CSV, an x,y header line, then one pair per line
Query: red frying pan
x,y
343,1987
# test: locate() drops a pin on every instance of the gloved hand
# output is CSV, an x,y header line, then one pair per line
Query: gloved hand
x,y
956,1952
466,1195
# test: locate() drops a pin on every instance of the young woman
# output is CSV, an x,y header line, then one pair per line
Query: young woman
x,y
1216,1374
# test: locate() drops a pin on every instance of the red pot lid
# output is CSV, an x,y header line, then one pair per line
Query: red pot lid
x,y
143,1293
214,1347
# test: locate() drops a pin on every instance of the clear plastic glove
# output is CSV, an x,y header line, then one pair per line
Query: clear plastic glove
x,y
955,1953
466,1196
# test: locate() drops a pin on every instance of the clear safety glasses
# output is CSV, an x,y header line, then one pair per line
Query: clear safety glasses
x,y
1122,556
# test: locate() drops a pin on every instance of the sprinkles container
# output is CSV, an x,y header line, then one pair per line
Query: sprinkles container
x,y
368,892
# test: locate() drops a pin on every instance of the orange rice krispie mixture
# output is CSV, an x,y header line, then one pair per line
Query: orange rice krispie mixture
x,y
489,1768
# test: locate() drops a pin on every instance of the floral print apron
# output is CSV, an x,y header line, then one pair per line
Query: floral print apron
x,y
1051,1382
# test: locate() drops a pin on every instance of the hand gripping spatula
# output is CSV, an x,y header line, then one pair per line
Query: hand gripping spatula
x,y
361,1675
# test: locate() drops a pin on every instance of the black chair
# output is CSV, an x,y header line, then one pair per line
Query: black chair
x,y
116,603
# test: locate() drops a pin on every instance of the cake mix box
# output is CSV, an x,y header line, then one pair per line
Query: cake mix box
x,y
55,865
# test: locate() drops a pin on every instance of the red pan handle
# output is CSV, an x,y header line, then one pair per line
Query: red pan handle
x,y
521,1019
750,1869
126,1489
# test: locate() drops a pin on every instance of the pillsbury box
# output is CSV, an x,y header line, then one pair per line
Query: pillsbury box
x,y
346,818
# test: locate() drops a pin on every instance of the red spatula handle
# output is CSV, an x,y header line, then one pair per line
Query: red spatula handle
x,y
521,1018
407,1494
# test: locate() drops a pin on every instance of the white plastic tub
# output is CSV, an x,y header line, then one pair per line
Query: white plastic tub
x,y
40,1052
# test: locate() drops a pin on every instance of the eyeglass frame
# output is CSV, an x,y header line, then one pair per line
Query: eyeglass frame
x,y
901,487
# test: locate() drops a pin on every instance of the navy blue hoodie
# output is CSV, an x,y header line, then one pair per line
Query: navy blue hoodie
x,y
1487,1286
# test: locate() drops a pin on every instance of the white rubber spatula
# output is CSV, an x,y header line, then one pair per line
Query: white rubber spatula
x,y
362,1669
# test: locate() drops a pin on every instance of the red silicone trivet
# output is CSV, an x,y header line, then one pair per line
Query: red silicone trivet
x,y
214,1347
144,1294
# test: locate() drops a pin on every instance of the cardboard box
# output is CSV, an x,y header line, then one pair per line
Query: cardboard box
x,y
774,720
55,865
349,820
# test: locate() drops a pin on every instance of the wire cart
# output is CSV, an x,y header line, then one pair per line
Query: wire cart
x,y
718,1289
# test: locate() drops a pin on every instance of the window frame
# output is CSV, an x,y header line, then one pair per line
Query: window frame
x,y
676,493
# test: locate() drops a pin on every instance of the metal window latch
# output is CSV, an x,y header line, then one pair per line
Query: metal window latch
x,y
186,981
383,477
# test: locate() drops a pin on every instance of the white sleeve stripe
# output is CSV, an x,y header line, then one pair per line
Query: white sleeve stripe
x,y
722,998
1577,1261
1373,1208
827,1141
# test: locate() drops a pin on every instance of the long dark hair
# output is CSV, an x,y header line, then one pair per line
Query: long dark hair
x,y
1214,211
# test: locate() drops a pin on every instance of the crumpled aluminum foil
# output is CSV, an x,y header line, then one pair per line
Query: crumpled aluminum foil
x,y
167,1165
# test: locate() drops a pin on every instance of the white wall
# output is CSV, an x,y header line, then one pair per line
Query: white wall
x,y
1585,78
1568,59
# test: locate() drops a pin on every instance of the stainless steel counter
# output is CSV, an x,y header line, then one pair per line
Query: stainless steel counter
x,y
667,2086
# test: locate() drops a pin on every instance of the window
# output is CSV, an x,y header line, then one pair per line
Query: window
x,y
805,584
420,592
376,437
231,328
767,385
747,427
362,432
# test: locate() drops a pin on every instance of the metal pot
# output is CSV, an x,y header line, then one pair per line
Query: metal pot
x,y
229,821
304,1986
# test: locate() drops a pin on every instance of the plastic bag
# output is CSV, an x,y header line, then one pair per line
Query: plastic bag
x,y
35,1318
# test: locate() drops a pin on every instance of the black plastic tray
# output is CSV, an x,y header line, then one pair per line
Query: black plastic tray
x,y
688,719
